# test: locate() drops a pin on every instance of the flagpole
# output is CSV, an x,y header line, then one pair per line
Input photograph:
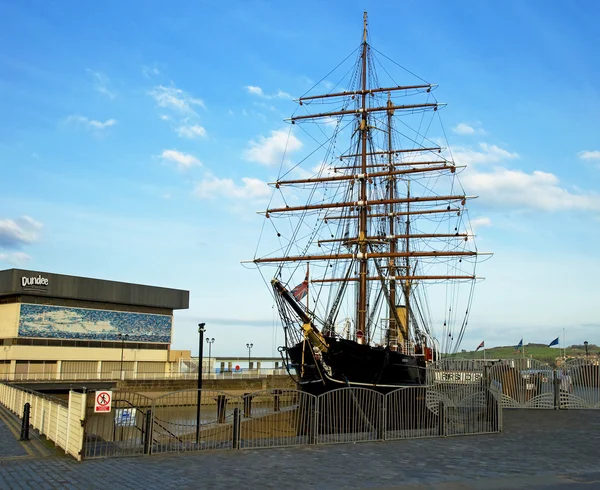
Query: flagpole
x,y
564,346
484,350
307,292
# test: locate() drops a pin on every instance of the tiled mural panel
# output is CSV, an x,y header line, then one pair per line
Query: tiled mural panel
x,y
59,322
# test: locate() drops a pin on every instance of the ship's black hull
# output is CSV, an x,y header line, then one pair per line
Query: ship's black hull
x,y
350,364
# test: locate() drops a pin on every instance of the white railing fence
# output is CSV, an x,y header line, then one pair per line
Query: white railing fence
x,y
58,421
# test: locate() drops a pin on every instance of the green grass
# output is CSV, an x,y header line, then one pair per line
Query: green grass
x,y
536,351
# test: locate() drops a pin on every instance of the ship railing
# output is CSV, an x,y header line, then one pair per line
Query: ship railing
x,y
404,347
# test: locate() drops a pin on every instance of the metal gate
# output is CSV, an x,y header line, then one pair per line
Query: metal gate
x,y
180,423
525,383
275,418
122,431
579,384
455,371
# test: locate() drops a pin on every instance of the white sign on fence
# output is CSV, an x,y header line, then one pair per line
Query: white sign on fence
x,y
125,417
103,402
457,376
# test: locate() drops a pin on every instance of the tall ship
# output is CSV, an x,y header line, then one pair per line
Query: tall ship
x,y
366,242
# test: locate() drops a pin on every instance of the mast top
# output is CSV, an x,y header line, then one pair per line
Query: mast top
x,y
364,27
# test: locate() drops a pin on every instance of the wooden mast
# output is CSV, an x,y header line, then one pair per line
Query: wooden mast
x,y
407,268
392,327
362,214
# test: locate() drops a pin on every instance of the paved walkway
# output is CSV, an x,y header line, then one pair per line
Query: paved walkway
x,y
538,449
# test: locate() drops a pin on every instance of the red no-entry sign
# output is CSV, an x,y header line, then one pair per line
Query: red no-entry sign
x,y
103,401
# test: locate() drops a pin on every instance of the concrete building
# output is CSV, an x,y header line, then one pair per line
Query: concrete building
x,y
54,326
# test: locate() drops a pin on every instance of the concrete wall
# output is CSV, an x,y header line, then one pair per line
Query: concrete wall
x,y
229,385
48,353
9,320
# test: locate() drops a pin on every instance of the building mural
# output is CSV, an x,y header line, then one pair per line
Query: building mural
x,y
58,322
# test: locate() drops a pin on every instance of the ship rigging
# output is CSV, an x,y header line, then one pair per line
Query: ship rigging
x,y
365,223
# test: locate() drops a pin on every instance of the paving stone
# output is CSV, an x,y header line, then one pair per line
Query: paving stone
x,y
538,449
9,445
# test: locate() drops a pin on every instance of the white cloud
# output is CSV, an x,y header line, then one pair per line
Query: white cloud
x,y
191,132
101,125
476,223
262,105
463,128
149,71
176,99
90,124
15,258
270,150
102,83
183,160
589,155
18,232
481,221
538,190
255,90
488,154
212,187
331,122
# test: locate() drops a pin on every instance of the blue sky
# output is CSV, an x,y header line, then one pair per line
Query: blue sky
x,y
132,133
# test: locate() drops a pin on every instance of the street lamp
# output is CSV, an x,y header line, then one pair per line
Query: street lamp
x,y
210,343
122,338
586,344
201,331
249,350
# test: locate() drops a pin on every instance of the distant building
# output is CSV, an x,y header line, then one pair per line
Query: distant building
x,y
54,326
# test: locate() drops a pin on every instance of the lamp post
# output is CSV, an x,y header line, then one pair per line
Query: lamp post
x,y
249,351
210,343
122,338
201,331
586,344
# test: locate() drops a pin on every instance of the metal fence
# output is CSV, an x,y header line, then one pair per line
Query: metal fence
x,y
128,374
526,382
175,422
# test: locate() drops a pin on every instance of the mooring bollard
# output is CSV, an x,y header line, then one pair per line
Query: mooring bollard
x,y
25,423
277,394
221,408
247,405
236,428
148,433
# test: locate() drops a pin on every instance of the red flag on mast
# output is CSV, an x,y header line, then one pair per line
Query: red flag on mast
x,y
301,290
480,345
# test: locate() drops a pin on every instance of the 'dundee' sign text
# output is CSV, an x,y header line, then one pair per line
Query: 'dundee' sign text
x,y
35,282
